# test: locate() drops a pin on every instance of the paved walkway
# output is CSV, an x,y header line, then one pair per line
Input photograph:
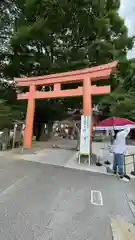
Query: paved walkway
x,y
58,157
65,155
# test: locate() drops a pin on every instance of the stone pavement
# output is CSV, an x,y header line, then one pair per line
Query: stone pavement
x,y
45,202
62,155
65,155
57,157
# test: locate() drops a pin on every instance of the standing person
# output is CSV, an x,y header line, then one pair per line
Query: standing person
x,y
119,148
76,131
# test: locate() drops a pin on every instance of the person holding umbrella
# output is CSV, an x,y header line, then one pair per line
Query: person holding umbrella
x,y
119,148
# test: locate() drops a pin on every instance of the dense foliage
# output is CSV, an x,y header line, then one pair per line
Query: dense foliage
x,y
121,101
47,36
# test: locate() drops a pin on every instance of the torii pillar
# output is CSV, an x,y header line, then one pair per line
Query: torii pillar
x,y
87,102
87,76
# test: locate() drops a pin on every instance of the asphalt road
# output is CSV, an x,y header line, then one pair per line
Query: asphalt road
x,y
45,202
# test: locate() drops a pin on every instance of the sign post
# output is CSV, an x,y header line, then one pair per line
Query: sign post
x,y
85,138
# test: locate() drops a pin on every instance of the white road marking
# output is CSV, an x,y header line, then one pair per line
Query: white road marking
x,y
96,198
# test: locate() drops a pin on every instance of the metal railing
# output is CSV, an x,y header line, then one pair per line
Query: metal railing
x,y
129,163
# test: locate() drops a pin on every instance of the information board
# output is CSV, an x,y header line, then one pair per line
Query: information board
x,y
85,135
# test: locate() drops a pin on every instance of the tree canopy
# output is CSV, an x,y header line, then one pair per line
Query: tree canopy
x,y
121,101
50,36
47,38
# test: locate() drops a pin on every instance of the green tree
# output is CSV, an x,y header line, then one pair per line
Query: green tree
x,y
121,101
48,38
10,109
54,36
7,18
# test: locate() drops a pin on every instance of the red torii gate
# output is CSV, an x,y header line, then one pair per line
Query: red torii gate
x,y
86,76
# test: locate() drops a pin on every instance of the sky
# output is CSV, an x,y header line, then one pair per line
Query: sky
x,y
127,11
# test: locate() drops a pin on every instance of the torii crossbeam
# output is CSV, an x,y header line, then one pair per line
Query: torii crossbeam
x,y
86,76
